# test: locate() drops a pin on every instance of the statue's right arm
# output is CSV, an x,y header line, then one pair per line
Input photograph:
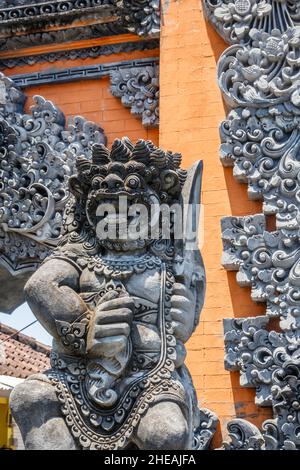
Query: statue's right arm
x,y
51,293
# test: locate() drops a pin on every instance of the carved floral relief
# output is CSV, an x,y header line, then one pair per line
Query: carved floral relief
x,y
258,76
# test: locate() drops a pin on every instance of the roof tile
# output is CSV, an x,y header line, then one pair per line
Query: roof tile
x,y
21,355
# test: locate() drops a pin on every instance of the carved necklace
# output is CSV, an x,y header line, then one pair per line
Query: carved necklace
x,y
118,268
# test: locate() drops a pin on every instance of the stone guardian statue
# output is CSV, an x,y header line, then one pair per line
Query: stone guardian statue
x,y
120,310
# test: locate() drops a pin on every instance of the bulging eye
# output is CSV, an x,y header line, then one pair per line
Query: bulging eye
x,y
96,184
133,182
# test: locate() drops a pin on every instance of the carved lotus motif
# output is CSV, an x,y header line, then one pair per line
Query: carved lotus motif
x,y
241,14
265,72
274,46
235,19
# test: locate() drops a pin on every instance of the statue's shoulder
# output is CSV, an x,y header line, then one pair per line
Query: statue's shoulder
x,y
72,254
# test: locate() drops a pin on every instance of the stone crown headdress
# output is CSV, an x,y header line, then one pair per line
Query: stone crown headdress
x,y
160,170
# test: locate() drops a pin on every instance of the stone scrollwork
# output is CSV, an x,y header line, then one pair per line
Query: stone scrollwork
x,y
264,73
268,361
37,157
256,352
135,82
243,436
206,430
138,90
259,79
267,262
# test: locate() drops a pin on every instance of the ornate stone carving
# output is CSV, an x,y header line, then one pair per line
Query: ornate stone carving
x,y
140,17
255,352
258,77
37,157
263,73
88,72
243,436
268,361
61,35
81,53
138,90
266,261
120,310
135,82
204,434
234,19
19,13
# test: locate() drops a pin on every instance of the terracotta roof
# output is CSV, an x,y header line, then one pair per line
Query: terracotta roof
x,y
21,355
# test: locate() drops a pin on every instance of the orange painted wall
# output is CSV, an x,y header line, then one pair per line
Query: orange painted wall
x,y
191,109
91,98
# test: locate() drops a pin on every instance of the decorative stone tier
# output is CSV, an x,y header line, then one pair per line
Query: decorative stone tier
x,y
141,17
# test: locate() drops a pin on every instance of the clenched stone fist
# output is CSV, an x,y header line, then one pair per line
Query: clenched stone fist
x,y
110,325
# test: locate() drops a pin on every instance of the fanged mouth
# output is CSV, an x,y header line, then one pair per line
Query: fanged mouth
x,y
115,210
134,198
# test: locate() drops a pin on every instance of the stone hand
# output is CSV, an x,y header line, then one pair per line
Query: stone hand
x,y
182,311
109,327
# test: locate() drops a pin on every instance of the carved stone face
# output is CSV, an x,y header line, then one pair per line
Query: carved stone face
x,y
122,206
122,190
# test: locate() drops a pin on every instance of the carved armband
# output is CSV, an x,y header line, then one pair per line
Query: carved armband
x,y
73,335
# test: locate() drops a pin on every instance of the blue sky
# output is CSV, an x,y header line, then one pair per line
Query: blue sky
x,y
23,316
